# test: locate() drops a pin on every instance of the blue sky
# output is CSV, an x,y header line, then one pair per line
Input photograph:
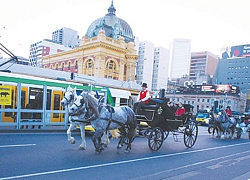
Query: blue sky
x,y
210,24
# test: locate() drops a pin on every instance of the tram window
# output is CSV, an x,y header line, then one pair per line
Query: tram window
x,y
123,101
56,105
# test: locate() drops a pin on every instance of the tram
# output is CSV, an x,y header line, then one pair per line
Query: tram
x,y
22,99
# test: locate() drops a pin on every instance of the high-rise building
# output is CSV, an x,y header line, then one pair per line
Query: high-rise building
x,y
145,61
234,71
180,53
160,69
42,48
66,37
202,67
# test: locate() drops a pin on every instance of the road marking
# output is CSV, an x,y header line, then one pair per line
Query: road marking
x,y
17,145
135,160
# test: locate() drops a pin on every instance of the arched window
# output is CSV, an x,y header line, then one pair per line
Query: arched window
x,y
111,65
69,65
51,66
89,63
56,66
76,65
62,66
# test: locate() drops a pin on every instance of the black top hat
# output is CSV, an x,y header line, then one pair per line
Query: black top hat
x,y
144,85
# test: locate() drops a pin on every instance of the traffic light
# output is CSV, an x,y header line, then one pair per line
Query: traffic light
x,y
72,75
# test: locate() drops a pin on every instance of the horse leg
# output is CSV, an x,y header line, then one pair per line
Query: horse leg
x,y
105,140
96,139
70,138
121,141
82,128
131,135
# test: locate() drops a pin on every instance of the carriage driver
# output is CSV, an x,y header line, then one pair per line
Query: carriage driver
x,y
143,98
229,111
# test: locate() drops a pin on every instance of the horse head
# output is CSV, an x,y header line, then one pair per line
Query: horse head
x,y
69,96
80,103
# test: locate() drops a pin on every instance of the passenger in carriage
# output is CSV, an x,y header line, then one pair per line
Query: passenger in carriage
x,y
142,99
229,111
169,110
180,111
172,106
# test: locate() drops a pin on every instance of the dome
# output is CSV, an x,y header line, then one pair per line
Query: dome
x,y
112,25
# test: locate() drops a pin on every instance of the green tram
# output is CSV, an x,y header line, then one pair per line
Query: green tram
x,y
28,101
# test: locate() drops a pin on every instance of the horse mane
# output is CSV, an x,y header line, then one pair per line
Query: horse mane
x,y
91,102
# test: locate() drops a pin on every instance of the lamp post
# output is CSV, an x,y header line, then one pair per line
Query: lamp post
x,y
174,91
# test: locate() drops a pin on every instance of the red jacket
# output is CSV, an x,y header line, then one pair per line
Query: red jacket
x,y
229,112
180,111
143,95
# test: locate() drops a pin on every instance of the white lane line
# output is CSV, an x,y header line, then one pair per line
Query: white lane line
x,y
132,160
16,145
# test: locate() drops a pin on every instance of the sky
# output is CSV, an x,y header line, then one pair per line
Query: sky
x,y
210,24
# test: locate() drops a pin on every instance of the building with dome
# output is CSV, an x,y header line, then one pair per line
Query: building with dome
x,y
107,50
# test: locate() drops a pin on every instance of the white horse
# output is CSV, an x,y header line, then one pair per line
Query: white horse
x,y
77,119
227,125
108,118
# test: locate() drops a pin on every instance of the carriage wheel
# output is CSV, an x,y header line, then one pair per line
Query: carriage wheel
x,y
248,134
190,133
155,139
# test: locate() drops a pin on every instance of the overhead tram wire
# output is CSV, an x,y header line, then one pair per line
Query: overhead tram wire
x,y
12,57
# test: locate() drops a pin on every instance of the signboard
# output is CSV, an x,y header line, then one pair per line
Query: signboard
x,y
235,51
5,95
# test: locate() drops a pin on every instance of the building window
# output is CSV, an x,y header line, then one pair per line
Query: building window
x,y
76,65
62,66
89,64
56,66
69,66
111,65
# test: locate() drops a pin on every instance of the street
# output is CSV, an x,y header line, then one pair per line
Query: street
x,y
42,155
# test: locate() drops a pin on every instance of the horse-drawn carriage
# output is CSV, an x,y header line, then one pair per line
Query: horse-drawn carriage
x,y
225,125
154,123
123,118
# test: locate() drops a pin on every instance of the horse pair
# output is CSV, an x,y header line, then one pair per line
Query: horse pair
x,y
122,118
222,124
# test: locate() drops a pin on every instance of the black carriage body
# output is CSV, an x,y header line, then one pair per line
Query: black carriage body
x,y
158,114
158,124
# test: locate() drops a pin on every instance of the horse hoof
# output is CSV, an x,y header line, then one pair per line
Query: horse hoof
x,y
72,141
82,148
119,146
127,151
97,152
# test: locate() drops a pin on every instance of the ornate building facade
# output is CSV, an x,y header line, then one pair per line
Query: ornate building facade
x,y
107,50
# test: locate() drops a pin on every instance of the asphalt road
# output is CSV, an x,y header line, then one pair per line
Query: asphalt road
x,y
42,155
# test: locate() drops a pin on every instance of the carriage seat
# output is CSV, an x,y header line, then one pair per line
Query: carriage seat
x,y
152,105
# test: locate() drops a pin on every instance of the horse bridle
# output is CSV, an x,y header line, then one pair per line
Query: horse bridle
x,y
71,97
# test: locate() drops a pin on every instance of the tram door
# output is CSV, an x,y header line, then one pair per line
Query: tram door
x,y
11,116
57,96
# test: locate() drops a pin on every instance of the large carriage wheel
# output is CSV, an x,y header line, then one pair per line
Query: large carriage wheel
x,y
190,133
155,139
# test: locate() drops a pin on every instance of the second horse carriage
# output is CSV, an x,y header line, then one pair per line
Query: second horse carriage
x,y
155,124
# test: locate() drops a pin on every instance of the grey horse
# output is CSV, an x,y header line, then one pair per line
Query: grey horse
x,y
108,118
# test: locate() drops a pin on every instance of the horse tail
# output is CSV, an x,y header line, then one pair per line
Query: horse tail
x,y
114,134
